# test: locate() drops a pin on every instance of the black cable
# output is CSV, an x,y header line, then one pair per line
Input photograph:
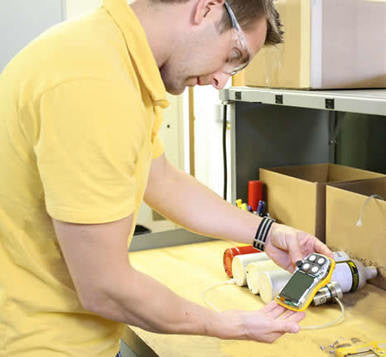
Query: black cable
x,y
334,131
224,149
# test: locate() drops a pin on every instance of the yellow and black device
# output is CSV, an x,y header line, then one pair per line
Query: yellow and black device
x,y
372,349
310,275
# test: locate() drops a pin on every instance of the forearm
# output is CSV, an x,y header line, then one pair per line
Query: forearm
x,y
184,200
150,305
143,302
107,284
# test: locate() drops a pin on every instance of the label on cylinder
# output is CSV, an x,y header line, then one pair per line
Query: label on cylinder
x,y
347,275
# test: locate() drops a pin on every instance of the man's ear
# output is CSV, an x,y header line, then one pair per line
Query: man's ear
x,y
205,8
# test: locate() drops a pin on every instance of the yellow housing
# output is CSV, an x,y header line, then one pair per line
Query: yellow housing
x,y
378,348
321,284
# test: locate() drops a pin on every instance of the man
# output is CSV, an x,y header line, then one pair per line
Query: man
x,y
80,111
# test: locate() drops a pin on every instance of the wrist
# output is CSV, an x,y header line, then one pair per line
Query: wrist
x,y
228,326
263,231
272,231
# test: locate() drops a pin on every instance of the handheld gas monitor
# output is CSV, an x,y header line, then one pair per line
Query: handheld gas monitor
x,y
311,274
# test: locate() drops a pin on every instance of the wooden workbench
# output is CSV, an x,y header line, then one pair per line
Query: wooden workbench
x,y
188,270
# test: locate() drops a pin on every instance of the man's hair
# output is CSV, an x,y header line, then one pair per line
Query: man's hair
x,y
247,13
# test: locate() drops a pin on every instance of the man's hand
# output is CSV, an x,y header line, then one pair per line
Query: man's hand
x,y
286,245
264,325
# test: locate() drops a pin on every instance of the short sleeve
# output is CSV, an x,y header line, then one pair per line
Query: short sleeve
x,y
158,147
90,137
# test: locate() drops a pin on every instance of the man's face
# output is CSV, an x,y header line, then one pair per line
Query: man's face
x,y
202,58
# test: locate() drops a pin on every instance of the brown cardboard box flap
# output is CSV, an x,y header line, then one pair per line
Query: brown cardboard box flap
x,y
291,200
325,172
346,203
369,187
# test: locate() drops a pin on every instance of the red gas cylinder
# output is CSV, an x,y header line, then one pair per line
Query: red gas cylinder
x,y
232,252
255,193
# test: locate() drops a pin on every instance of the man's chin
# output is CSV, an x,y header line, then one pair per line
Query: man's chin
x,y
175,91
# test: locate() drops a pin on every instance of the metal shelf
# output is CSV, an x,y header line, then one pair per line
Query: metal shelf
x,y
364,101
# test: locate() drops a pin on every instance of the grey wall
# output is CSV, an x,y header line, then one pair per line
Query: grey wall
x,y
361,141
23,20
268,136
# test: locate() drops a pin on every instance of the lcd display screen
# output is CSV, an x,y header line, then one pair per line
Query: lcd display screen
x,y
296,286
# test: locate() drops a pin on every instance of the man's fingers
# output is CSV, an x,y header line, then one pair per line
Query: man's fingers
x,y
322,248
291,323
294,249
277,311
297,316
285,326
292,315
273,305
287,314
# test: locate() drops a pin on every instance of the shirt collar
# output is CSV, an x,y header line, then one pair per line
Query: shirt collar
x,y
138,46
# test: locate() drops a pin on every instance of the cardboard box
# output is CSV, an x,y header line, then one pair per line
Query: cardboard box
x,y
327,44
296,194
345,204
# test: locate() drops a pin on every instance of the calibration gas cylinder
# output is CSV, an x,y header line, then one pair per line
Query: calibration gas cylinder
x,y
340,256
230,253
352,275
240,263
270,283
255,269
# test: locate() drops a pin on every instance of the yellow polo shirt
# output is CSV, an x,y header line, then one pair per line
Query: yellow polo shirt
x,y
79,114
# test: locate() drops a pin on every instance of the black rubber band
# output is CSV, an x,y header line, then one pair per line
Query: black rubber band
x,y
262,233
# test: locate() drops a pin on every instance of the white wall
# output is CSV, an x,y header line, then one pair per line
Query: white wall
x,y
22,20
76,8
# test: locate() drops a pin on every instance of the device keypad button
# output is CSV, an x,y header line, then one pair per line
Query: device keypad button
x,y
312,258
321,261
306,266
314,270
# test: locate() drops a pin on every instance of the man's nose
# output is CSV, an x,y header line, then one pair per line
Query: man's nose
x,y
219,79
